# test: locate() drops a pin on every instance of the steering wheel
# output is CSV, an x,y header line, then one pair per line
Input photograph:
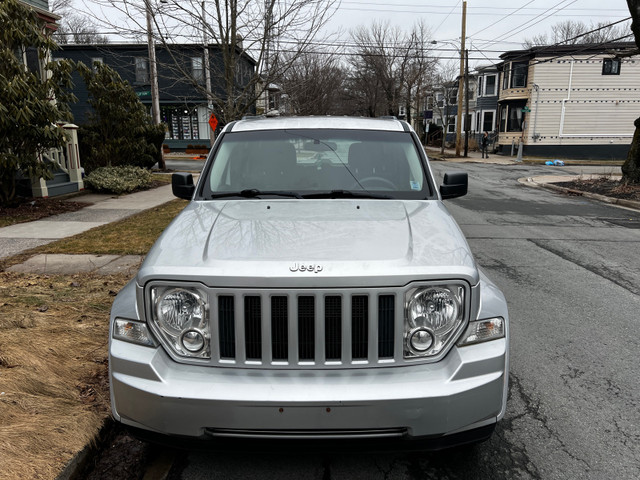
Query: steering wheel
x,y
375,180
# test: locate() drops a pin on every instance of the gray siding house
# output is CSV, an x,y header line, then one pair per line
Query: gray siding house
x,y
570,101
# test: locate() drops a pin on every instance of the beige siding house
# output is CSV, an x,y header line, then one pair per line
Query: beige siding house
x,y
569,101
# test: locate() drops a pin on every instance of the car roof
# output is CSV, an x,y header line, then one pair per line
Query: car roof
x,y
390,124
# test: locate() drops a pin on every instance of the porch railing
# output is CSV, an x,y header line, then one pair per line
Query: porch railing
x,y
65,159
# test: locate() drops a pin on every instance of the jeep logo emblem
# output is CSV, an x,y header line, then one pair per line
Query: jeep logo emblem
x,y
305,268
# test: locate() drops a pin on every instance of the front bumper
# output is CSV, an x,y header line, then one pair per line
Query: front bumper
x,y
464,391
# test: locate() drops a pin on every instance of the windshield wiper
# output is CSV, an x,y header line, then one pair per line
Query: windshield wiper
x,y
346,194
255,193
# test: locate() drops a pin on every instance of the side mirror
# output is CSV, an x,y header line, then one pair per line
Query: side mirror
x,y
182,185
454,185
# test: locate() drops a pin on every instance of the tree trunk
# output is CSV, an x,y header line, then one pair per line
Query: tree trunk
x,y
631,167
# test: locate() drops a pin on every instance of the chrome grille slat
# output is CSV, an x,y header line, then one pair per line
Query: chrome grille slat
x,y
372,340
346,329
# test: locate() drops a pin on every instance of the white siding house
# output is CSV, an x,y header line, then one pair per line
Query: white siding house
x,y
570,101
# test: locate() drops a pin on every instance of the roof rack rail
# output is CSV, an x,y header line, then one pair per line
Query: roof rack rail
x,y
388,117
253,117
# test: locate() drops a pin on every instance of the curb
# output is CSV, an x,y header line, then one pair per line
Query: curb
x,y
79,462
620,202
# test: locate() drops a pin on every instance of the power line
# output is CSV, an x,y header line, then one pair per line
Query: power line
x,y
500,37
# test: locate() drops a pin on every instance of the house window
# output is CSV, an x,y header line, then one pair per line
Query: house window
x,y
490,85
142,70
611,66
33,61
480,91
503,118
515,117
451,127
487,121
505,77
519,74
197,69
402,111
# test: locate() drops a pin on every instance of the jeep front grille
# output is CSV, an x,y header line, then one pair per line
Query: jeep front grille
x,y
322,329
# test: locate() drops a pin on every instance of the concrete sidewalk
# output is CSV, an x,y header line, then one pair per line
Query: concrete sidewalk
x,y
101,209
472,157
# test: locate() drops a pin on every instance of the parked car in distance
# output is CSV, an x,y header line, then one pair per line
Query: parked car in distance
x,y
315,287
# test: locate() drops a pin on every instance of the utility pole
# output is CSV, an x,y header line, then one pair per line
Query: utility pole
x,y
460,80
466,102
155,100
207,71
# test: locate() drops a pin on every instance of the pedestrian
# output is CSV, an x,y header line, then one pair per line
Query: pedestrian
x,y
484,144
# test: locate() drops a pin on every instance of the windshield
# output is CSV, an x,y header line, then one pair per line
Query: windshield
x,y
313,163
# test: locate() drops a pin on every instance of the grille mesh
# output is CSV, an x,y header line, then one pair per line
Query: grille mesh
x,y
316,322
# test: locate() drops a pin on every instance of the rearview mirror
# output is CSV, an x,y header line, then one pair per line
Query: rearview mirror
x,y
454,185
182,185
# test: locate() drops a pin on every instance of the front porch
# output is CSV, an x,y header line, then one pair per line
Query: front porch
x,y
65,166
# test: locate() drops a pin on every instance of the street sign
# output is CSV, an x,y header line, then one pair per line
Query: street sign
x,y
144,93
213,122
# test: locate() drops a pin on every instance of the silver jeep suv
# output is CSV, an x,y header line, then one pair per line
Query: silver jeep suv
x,y
315,287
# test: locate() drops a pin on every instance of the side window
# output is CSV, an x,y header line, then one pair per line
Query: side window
x,y
503,118
487,122
480,91
490,85
519,74
142,69
611,66
197,69
505,77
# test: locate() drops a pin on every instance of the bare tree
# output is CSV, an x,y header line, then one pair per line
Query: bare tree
x,y
238,28
389,66
445,92
572,32
315,85
74,27
631,167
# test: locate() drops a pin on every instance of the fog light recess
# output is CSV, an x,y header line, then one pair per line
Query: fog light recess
x,y
192,340
420,340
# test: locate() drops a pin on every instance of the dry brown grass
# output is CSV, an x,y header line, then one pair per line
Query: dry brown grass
x,y
54,394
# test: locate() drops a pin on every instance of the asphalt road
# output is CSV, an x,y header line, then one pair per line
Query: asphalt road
x,y
570,269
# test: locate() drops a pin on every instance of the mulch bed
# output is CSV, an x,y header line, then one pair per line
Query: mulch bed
x,y
37,208
605,186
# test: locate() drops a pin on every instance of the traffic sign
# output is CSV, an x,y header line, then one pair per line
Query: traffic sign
x,y
213,122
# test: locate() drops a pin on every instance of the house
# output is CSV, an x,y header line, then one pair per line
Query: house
x,y
445,108
184,108
570,100
65,161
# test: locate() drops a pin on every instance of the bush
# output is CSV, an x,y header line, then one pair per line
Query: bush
x,y
123,179
120,130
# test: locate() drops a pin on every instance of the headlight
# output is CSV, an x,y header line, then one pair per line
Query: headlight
x,y
433,316
182,316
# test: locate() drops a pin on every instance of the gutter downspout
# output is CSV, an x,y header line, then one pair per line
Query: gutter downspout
x,y
536,135
566,99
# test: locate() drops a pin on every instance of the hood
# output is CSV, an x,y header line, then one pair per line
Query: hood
x,y
258,242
